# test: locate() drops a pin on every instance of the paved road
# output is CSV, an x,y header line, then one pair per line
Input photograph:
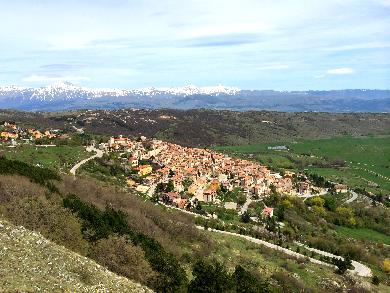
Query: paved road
x,y
306,196
245,206
269,245
99,154
359,268
353,197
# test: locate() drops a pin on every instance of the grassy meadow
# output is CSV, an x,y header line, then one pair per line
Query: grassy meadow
x,y
367,159
58,158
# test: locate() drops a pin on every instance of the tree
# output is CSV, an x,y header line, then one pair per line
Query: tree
x,y
270,224
345,216
187,183
245,282
342,264
241,198
330,203
317,201
273,189
375,280
210,278
170,186
386,265
245,217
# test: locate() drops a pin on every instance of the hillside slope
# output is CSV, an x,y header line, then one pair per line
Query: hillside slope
x,y
209,127
31,263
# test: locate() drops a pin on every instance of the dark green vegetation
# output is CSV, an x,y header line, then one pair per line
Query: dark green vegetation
x,y
214,278
359,162
38,175
209,127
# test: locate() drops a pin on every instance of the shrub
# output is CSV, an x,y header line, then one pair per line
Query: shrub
x,y
245,217
210,277
245,282
119,255
386,265
375,280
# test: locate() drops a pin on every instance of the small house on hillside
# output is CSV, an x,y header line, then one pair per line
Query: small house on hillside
x,y
268,212
341,188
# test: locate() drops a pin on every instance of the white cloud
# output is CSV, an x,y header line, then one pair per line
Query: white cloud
x,y
43,78
341,70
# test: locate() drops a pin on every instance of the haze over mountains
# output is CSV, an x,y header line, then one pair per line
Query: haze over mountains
x,y
66,96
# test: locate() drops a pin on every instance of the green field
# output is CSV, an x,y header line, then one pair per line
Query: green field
x,y
367,159
58,157
363,234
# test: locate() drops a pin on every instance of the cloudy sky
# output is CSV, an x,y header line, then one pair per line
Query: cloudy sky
x,y
252,44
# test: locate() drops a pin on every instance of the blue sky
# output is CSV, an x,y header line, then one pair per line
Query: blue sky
x,y
252,44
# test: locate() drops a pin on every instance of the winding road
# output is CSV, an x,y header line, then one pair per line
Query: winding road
x,y
359,268
353,197
99,154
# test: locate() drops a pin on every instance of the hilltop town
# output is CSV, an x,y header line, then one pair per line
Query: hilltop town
x,y
183,176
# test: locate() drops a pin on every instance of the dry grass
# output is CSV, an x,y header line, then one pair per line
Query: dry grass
x,y
31,263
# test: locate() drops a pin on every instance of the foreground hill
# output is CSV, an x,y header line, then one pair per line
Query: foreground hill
x,y
65,96
31,263
209,127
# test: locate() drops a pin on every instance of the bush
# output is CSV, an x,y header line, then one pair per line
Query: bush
x,y
245,217
386,265
119,255
375,280
208,277
245,282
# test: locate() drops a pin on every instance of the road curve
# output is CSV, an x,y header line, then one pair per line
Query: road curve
x,y
359,268
353,197
99,154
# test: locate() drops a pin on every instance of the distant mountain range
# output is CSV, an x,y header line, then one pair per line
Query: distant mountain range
x,y
66,96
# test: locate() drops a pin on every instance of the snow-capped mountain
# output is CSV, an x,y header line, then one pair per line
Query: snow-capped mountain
x,y
188,91
69,91
66,96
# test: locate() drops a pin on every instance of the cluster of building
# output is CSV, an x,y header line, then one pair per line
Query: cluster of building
x,y
197,174
10,132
